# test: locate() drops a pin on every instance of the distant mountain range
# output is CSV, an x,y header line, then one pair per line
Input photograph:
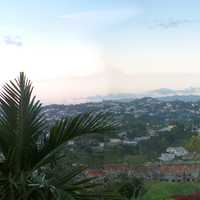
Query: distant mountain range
x,y
165,94
170,92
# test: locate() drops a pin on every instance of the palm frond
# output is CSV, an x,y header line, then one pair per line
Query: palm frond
x,y
21,122
72,127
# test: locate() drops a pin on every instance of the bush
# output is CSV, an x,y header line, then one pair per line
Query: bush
x,y
132,188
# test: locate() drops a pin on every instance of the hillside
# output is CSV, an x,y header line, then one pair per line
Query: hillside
x,y
149,127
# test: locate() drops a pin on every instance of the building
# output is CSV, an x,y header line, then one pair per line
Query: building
x,y
177,151
115,141
161,172
167,157
129,142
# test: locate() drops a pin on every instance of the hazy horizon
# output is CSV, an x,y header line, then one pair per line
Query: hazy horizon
x,y
74,49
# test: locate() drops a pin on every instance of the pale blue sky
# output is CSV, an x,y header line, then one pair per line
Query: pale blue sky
x,y
100,43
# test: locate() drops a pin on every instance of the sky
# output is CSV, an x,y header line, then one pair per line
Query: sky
x,y
72,49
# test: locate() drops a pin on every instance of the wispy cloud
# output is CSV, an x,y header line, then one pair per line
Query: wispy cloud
x,y
99,18
174,23
15,41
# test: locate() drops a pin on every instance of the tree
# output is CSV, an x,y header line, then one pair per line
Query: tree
x,y
193,144
30,151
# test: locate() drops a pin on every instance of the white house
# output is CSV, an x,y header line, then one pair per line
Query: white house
x,y
71,142
167,157
115,141
177,151
166,129
129,142
101,144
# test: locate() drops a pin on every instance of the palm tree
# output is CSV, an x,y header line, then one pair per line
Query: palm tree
x,y
30,151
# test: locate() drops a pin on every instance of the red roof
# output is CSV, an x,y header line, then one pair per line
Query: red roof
x,y
116,167
95,173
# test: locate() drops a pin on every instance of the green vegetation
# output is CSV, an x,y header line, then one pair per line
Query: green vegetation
x,y
193,144
163,190
30,152
128,187
132,188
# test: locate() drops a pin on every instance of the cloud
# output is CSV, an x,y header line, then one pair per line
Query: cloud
x,y
15,41
101,18
174,23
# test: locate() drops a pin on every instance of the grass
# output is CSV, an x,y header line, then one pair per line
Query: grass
x,y
164,190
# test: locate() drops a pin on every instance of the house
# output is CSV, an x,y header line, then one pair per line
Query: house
x,y
129,142
115,141
101,144
176,172
179,172
142,138
167,157
189,156
177,151
70,142
166,129
95,173
116,168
